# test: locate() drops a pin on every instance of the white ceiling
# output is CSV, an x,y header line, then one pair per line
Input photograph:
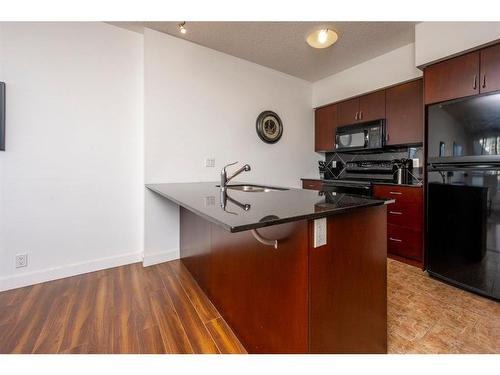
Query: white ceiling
x,y
281,45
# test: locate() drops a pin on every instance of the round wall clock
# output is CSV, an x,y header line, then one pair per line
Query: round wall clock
x,y
269,127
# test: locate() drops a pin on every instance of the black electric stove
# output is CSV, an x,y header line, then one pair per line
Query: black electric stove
x,y
358,177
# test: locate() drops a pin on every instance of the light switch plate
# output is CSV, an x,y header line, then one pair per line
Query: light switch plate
x,y
320,232
209,162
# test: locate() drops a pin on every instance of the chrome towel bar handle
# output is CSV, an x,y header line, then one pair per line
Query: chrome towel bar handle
x,y
263,240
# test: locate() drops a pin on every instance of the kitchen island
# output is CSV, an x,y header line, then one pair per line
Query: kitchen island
x,y
290,270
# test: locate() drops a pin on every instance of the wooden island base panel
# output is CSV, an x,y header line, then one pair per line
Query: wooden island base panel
x,y
296,298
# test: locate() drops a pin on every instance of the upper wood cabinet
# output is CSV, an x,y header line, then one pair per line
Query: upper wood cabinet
x,y
372,106
470,74
361,109
348,112
404,113
454,78
325,123
490,69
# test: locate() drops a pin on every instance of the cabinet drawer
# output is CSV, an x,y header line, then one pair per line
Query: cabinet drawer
x,y
404,242
404,214
402,194
312,184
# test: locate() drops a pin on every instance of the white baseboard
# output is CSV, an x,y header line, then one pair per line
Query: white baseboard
x,y
30,278
160,257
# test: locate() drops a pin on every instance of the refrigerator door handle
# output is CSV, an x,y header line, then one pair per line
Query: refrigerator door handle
x,y
457,167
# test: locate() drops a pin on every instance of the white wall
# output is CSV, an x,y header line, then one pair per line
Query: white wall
x,y
391,68
71,180
438,40
202,103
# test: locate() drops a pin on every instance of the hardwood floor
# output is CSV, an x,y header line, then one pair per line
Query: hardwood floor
x,y
160,309
129,309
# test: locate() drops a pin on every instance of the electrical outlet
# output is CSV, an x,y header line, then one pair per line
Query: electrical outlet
x,y
416,163
209,162
209,201
320,232
21,260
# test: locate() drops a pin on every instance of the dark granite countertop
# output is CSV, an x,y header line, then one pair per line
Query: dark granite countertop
x,y
252,210
416,185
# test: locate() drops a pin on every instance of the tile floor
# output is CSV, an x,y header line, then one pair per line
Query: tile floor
x,y
428,316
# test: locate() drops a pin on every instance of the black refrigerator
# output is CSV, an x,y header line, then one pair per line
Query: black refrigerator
x,y
463,193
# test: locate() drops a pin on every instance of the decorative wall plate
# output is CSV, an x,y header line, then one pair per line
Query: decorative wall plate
x,y
269,127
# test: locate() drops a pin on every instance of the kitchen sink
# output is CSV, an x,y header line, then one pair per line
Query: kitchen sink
x,y
253,188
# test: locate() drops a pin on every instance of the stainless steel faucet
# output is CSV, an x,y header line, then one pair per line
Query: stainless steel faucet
x,y
223,174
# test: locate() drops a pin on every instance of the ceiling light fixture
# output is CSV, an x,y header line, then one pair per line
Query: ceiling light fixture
x,y
322,38
182,28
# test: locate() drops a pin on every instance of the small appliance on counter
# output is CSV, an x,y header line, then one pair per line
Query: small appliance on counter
x,y
402,169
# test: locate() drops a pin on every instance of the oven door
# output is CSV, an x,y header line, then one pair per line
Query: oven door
x,y
355,140
348,188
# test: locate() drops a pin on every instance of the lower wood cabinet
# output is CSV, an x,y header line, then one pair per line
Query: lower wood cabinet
x,y
404,222
312,184
404,242
297,298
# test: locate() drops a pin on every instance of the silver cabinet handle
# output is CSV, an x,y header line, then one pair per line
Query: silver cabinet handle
x,y
475,82
360,115
356,116
395,212
265,241
395,239
484,81
395,193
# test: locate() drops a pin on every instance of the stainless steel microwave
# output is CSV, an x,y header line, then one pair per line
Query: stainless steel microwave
x,y
367,136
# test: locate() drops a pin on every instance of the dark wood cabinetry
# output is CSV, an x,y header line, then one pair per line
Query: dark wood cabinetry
x,y
348,112
401,106
404,222
454,78
490,69
312,184
372,106
336,308
474,73
361,109
296,298
325,123
404,113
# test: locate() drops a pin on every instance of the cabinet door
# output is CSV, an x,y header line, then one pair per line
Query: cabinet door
x,y
372,106
325,123
348,112
490,69
404,113
404,242
451,79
